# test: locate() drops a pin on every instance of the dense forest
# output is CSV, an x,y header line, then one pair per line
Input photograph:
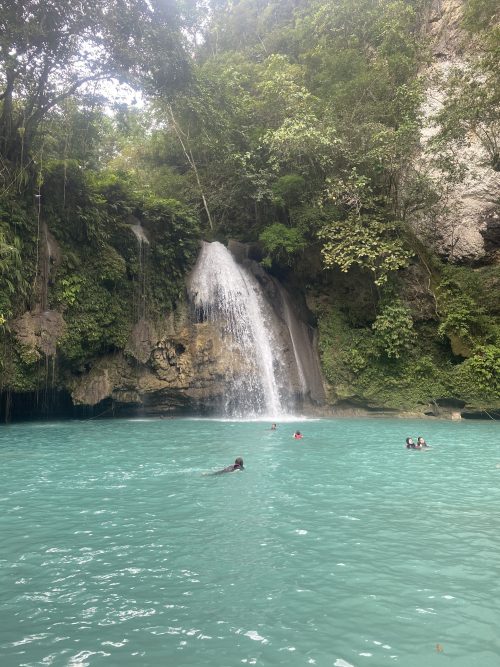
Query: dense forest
x,y
130,130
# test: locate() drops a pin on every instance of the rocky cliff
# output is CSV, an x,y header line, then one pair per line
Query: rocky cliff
x,y
466,225
177,363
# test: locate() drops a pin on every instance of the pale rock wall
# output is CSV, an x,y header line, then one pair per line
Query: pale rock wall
x,y
466,227
39,332
166,366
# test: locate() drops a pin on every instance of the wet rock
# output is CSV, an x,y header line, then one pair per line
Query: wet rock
x,y
93,389
39,331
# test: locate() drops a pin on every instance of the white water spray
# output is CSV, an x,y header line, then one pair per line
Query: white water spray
x,y
226,294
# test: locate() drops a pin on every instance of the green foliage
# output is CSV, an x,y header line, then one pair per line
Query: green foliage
x,y
288,190
74,206
69,288
109,266
174,230
281,242
368,241
459,315
400,365
360,229
472,108
339,92
358,373
102,280
50,50
13,282
97,322
479,14
20,367
344,352
462,313
100,292
116,190
477,379
393,329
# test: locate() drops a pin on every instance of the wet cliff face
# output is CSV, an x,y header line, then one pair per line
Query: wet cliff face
x,y
467,228
178,365
173,365
182,362
240,345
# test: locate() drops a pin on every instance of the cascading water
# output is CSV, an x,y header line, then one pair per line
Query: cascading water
x,y
143,244
227,295
303,339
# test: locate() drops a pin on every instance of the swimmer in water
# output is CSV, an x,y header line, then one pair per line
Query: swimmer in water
x,y
237,465
421,442
273,427
298,435
410,444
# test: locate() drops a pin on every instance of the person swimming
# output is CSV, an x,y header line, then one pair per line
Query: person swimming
x,y
273,427
237,465
420,444
298,435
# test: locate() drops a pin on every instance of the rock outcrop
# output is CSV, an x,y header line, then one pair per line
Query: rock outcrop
x,y
184,363
39,331
467,226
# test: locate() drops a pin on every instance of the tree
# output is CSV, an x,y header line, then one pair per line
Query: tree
x,y
471,106
393,327
50,50
369,241
472,109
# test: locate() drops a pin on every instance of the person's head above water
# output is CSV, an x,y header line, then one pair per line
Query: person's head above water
x,y
237,465
273,427
409,441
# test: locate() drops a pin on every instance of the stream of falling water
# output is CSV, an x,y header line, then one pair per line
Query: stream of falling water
x,y
226,294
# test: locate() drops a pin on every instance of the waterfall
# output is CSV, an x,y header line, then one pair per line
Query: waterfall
x,y
143,244
304,345
47,256
139,232
295,338
227,295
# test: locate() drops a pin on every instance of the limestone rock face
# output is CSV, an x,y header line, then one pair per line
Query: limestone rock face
x,y
181,363
467,226
95,387
444,27
184,368
38,331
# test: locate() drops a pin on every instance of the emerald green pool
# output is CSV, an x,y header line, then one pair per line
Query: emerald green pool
x,y
339,549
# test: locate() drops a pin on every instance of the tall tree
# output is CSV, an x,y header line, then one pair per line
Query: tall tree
x,y
49,50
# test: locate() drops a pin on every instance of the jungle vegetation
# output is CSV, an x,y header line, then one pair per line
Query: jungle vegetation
x,y
291,123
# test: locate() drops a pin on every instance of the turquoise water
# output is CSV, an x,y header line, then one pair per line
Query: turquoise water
x,y
340,549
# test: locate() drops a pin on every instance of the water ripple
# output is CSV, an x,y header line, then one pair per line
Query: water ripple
x,y
346,551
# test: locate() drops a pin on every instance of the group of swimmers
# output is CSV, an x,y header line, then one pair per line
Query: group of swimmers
x,y
296,436
238,463
420,444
